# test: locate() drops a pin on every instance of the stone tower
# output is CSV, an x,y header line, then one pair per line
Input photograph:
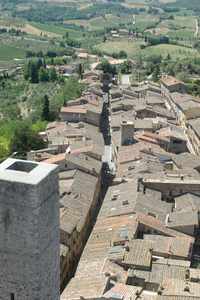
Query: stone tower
x,y
29,231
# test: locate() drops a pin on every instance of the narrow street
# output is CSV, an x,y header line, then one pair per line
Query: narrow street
x,y
106,130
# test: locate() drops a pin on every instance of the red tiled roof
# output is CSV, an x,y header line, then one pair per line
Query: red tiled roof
x,y
60,157
78,109
55,159
170,80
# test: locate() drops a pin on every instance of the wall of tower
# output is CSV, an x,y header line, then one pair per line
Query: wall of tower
x,y
29,235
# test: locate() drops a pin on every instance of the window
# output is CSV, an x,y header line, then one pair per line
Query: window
x,y
115,195
151,214
12,296
125,202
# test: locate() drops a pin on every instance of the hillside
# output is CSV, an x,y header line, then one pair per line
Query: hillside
x,y
150,37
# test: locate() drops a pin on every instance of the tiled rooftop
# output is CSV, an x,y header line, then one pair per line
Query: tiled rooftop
x,y
137,248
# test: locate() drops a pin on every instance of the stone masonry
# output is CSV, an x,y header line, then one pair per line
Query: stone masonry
x,y
29,231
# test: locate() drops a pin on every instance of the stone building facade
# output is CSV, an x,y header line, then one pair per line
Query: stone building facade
x,y
29,231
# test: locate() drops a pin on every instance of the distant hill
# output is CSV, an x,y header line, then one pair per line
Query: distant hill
x,y
191,4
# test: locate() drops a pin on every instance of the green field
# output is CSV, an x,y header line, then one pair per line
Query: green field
x,y
145,21
173,50
11,22
17,47
8,52
181,34
182,22
101,22
59,30
50,28
133,49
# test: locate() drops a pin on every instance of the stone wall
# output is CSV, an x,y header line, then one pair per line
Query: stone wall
x,y
29,233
